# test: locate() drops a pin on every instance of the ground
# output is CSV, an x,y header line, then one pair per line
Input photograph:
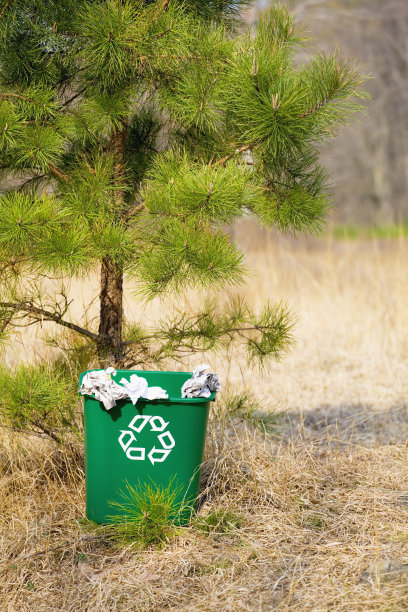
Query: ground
x,y
317,513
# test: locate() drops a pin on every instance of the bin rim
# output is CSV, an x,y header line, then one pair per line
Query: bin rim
x,y
169,400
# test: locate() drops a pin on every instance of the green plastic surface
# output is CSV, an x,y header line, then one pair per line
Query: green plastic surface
x,y
167,447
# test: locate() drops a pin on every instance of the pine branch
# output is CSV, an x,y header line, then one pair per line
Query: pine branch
x,y
14,95
3,10
186,333
164,5
315,108
156,36
74,97
161,9
46,430
132,211
231,155
40,314
205,92
57,172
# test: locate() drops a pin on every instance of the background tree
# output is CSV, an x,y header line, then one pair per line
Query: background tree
x,y
138,131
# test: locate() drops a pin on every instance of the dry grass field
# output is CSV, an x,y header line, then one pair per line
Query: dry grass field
x,y
317,515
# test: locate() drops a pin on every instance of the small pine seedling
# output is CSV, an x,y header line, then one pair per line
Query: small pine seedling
x,y
146,514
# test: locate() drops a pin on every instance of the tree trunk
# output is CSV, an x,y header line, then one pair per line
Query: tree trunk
x,y
111,313
109,345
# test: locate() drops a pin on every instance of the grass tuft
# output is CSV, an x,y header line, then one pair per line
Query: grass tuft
x,y
220,521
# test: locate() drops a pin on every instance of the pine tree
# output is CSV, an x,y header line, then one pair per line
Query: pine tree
x,y
132,133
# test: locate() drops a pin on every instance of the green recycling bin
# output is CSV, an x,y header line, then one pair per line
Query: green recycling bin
x,y
154,442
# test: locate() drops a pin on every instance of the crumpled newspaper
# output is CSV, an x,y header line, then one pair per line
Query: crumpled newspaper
x,y
138,387
201,384
107,391
100,384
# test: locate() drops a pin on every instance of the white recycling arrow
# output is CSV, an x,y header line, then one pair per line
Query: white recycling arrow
x,y
153,425
136,453
131,439
134,449
169,437
158,455
145,418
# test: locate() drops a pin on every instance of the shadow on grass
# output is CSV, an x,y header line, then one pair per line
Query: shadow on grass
x,y
345,424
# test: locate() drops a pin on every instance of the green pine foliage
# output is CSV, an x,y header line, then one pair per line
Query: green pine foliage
x,y
146,515
245,407
264,336
37,399
135,132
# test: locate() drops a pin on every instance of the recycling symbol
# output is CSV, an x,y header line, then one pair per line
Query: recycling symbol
x,y
138,453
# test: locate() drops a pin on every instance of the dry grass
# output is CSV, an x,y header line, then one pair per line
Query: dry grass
x,y
321,508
